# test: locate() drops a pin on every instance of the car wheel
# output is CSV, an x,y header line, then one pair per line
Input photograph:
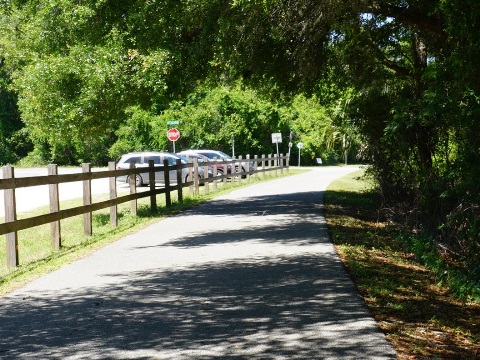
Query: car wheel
x,y
244,170
238,170
187,179
138,180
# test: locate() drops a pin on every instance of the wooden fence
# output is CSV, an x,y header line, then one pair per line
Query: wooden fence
x,y
261,165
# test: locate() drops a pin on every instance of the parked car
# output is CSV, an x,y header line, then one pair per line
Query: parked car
x,y
191,154
211,154
141,160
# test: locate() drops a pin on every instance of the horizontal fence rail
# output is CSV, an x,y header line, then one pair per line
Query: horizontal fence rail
x,y
241,169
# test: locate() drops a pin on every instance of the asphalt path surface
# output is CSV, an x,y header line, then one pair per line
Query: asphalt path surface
x,y
249,275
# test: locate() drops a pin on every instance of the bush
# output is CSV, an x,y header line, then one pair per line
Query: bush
x,y
460,275
6,154
34,158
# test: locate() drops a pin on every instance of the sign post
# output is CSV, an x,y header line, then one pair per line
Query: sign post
x,y
299,146
290,145
277,138
173,135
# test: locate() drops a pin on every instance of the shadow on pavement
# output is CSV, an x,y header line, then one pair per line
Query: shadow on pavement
x,y
298,305
233,310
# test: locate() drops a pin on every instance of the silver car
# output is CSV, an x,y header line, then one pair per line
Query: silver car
x,y
141,160
212,154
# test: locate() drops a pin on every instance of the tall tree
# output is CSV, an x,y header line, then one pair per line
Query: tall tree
x,y
413,69
80,65
13,141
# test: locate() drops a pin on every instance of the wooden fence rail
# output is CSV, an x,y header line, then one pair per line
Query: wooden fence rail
x,y
240,169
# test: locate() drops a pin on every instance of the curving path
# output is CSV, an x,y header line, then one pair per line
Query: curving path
x,y
249,275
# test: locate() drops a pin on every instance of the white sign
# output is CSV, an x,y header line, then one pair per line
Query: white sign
x,y
276,138
300,145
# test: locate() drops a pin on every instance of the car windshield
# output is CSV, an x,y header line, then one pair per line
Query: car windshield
x,y
183,158
218,154
224,155
192,156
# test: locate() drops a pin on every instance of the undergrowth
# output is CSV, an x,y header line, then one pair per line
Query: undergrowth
x,y
426,306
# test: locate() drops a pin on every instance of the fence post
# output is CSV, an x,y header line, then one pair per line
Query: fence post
x,y
10,215
234,170
263,165
275,164
190,177
87,200
54,207
247,167
240,168
151,183
215,173
113,195
133,189
179,181
225,172
166,172
281,164
255,166
206,184
196,184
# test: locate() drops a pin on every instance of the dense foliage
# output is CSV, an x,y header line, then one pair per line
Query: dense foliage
x,y
14,142
392,80
405,75
95,79
237,120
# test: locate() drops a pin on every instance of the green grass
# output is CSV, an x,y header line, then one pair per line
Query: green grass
x,y
422,319
37,258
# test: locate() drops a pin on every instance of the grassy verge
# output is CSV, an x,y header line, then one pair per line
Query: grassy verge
x,y
420,318
37,258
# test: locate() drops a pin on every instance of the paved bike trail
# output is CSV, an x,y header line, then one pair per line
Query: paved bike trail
x,y
249,275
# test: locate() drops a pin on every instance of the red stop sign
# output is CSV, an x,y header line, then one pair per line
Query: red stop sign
x,y
173,134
